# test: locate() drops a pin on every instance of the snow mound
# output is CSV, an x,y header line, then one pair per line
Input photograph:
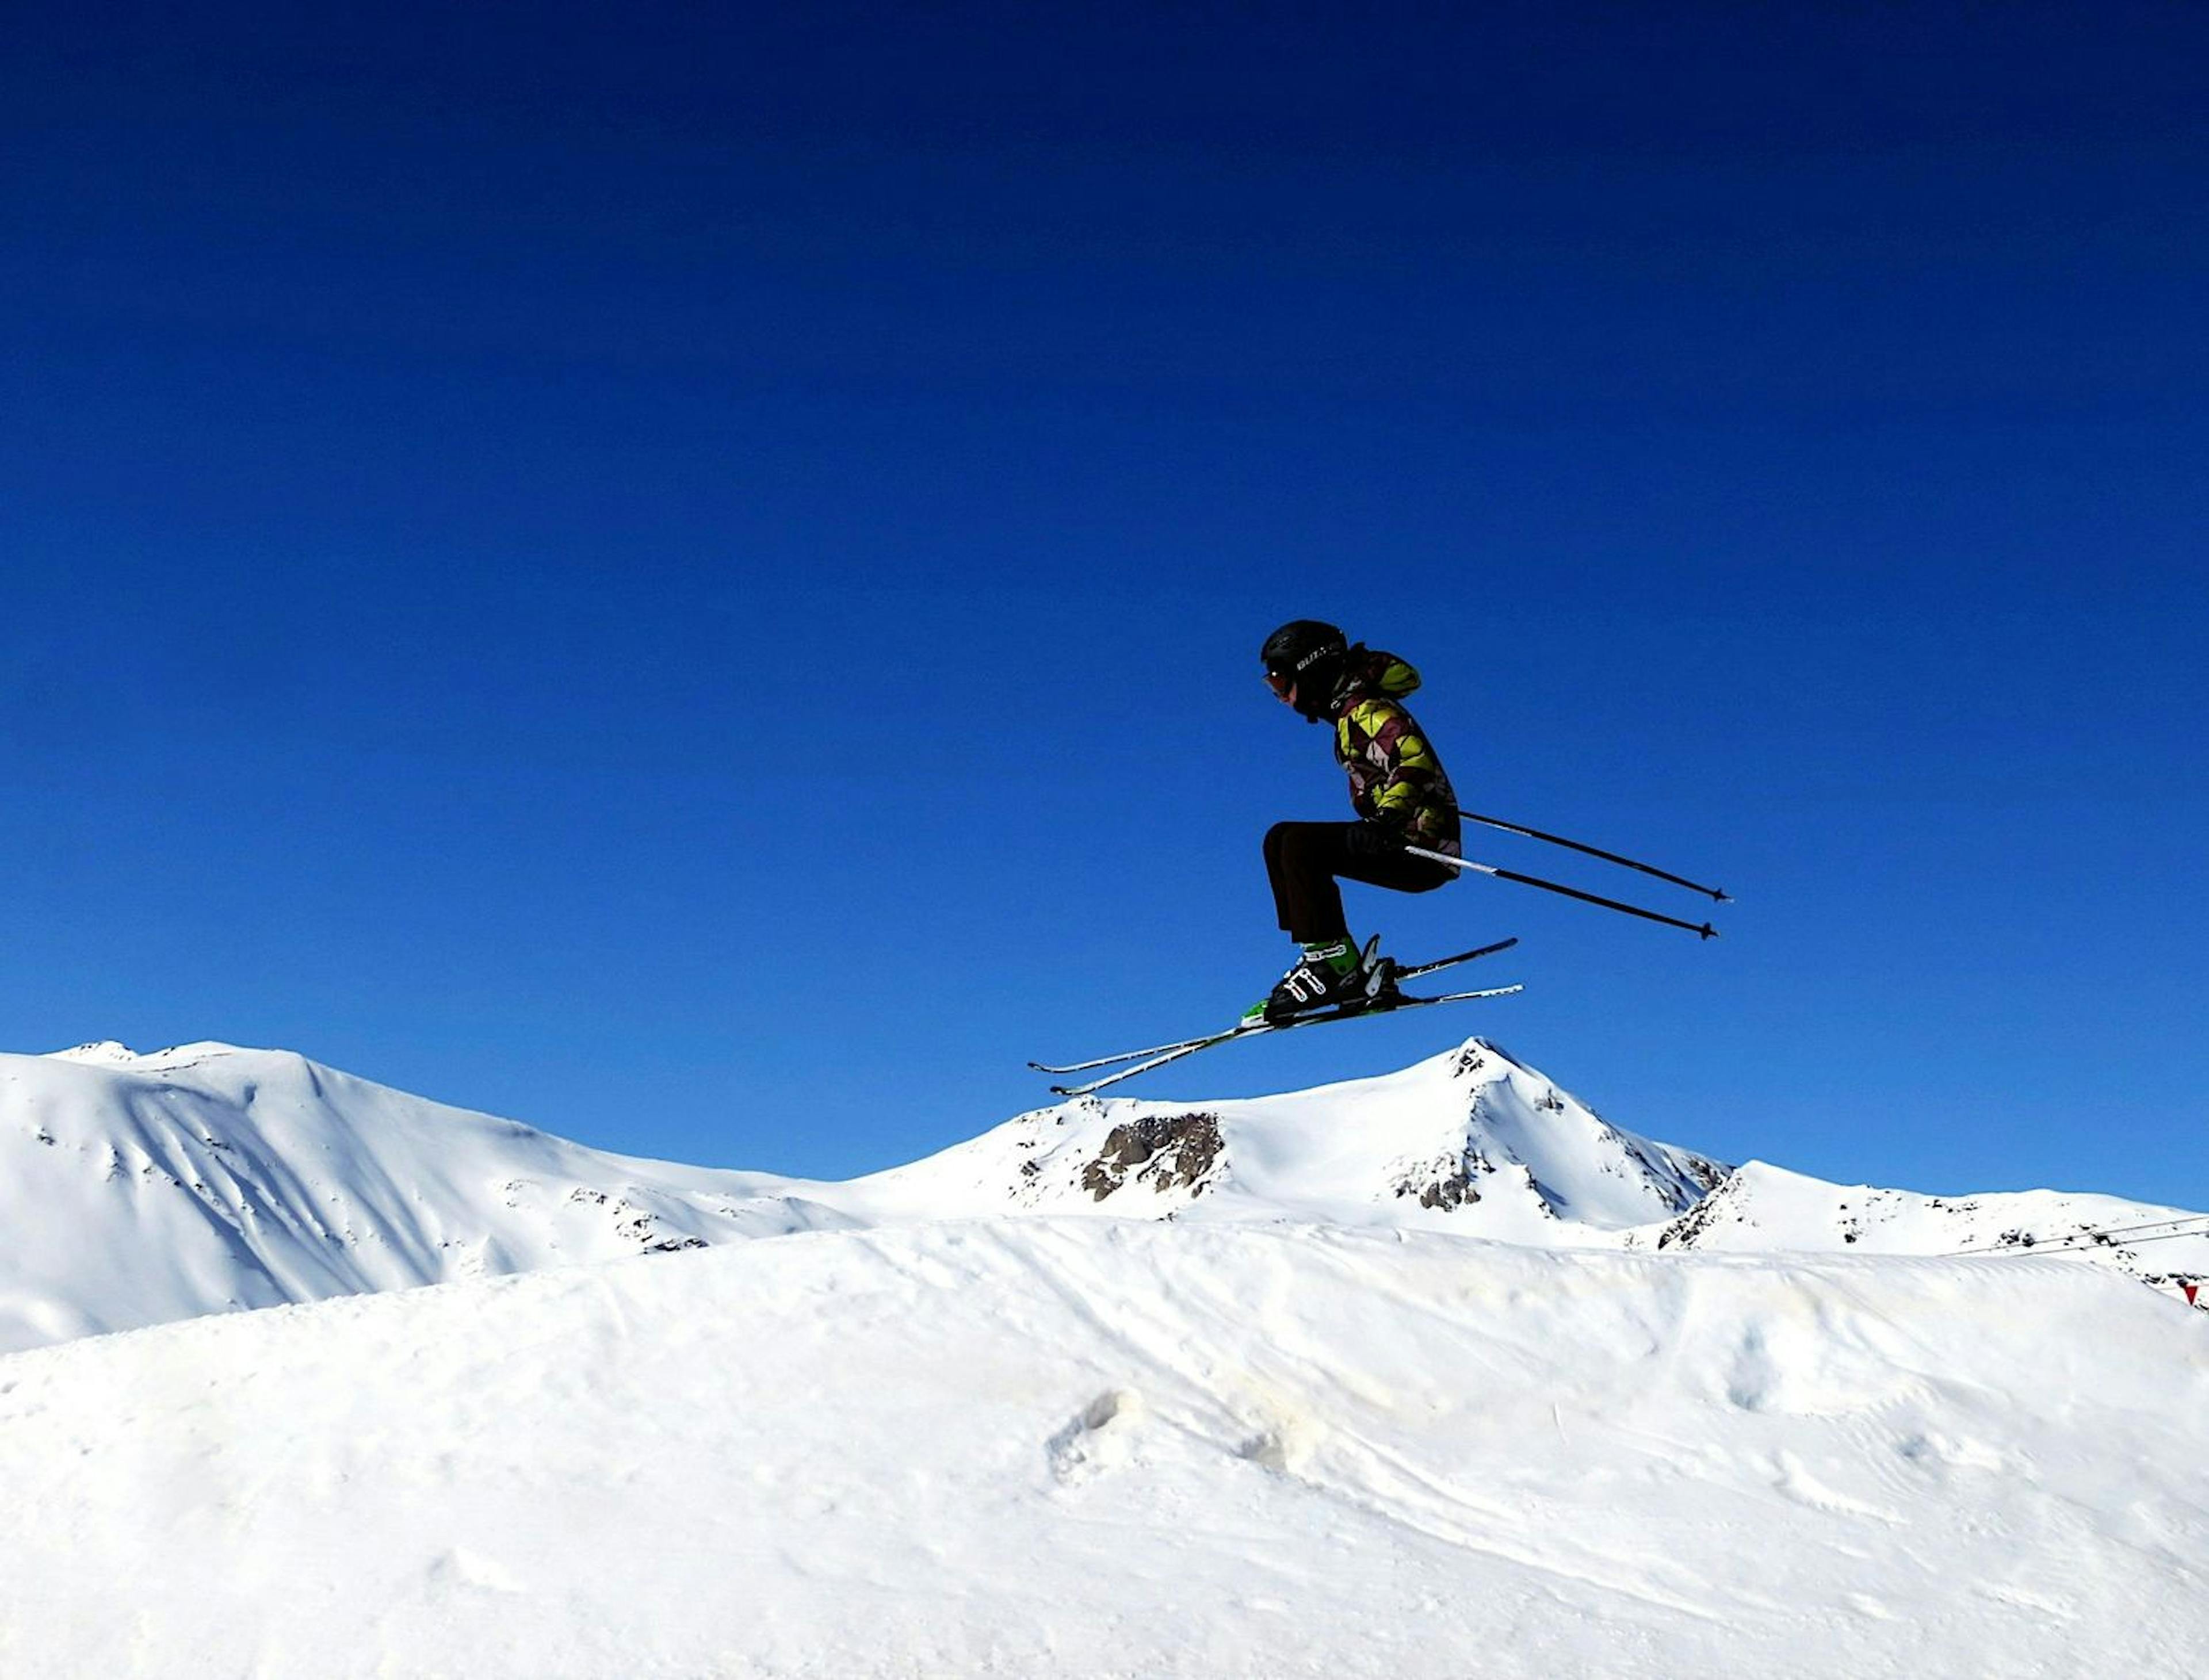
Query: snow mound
x,y
1109,1447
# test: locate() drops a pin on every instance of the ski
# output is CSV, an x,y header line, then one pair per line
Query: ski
x,y
1396,972
1319,1018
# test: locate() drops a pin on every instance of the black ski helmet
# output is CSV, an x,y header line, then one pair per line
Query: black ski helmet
x,y
1308,656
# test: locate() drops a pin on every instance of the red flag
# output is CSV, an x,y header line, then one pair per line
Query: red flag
x,y
2192,1291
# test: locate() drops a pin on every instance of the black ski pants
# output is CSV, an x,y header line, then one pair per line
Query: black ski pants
x,y
1305,859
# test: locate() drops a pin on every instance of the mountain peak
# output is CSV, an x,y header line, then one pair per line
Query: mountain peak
x,y
1471,1140
109,1053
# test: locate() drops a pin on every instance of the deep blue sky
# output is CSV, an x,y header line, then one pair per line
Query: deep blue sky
x,y
692,575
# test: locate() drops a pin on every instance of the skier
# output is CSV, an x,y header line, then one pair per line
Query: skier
x,y
1405,838
1401,796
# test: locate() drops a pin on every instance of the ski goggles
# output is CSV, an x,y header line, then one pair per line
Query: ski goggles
x,y
1283,683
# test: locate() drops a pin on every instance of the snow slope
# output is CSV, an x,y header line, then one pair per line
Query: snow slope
x,y
1081,1446
135,1189
140,1189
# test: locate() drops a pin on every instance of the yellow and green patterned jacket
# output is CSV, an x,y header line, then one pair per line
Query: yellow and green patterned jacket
x,y
1395,779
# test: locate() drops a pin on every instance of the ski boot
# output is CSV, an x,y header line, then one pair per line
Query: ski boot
x,y
1331,973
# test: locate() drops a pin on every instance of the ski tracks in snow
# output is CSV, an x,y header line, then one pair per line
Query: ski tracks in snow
x,y
1258,1377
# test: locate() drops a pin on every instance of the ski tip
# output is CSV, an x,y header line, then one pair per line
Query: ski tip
x,y
1707,931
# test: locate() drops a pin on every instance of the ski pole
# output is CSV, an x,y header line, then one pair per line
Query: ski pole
x,y
1705,930
1711,892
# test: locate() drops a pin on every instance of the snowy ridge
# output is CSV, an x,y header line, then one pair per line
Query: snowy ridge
x,y
135,1190
1760,1209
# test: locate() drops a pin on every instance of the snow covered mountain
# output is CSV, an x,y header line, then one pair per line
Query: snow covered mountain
x,y
1763,1208
1423,1375
140,1189
135,1189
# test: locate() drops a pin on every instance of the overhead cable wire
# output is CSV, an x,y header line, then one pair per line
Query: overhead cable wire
x,y
2115,1236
